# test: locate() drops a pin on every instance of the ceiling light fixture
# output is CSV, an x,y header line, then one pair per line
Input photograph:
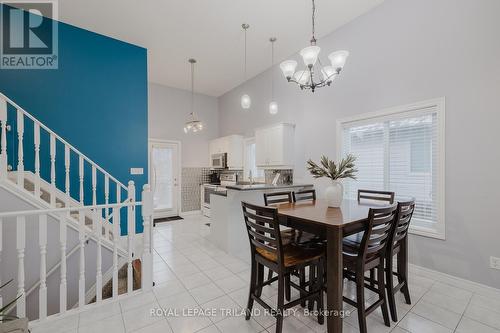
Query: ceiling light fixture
x,y
193,124
308,78
246,102
273,106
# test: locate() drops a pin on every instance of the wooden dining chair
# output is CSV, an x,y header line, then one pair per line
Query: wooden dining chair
x,y
268,250
278,197
376,195
370,253
304,195
398,246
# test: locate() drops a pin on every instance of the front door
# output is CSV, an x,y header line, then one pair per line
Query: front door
x,y
164,171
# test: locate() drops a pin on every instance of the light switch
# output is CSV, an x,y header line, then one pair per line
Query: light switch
x,y
136,171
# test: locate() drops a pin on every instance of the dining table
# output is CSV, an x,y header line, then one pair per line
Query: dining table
x,y
333,224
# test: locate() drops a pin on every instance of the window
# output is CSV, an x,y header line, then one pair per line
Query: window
x,y
250,164
401,150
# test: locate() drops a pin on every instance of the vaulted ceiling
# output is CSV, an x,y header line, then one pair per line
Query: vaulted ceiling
x,y
210,31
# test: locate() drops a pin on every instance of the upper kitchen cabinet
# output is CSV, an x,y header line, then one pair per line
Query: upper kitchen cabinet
x,y
233,146
274,146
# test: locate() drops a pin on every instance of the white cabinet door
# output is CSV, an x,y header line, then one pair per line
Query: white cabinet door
x,y
261,147
235,152
274,146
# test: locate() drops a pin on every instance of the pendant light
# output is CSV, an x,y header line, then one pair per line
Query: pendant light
x,y
246,102
193,124
273,106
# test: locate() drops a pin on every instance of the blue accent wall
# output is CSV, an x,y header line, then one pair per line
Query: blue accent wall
x,y
97,100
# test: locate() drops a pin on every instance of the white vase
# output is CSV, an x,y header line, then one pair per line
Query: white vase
x,y
334,194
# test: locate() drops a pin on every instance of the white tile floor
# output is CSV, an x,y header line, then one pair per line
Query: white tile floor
x,y
192,274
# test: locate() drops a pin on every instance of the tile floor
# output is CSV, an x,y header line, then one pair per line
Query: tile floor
x,y
192,275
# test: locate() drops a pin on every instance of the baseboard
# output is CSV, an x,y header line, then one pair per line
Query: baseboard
x,y
454,280
190,213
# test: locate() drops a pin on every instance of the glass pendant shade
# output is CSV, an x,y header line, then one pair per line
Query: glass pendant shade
x,y
246,102
328,73
288,68
338,59
310,55
302,77
273,108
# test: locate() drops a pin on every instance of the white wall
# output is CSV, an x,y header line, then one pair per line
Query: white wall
x,y
168,111
402,52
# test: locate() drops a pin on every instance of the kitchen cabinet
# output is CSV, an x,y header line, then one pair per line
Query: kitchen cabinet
x,y
233,146
274,146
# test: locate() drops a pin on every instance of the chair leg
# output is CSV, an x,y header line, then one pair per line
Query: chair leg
x,y
270,275
381,292
403,275
260,279
360,301
253,282
372,277
288,290
319,287
281,302
302,283
389,282
311,283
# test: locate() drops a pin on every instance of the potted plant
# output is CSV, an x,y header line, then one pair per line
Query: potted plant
x,y
334,193
12,324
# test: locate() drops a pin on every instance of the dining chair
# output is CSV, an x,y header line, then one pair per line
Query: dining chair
x,y
376,195
277,198
370,253
269,250
304,195
398,246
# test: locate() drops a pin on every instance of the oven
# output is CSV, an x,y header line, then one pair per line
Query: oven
x,y
206,191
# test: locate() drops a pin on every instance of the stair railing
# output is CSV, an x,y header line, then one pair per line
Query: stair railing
x,y
143,247
21,117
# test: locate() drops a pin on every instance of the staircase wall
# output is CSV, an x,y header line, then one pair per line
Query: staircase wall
x,y
97,100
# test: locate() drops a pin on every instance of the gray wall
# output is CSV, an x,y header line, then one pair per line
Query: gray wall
x,y
168,111
402,52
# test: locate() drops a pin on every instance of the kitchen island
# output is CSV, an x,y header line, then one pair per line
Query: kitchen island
x,y
227,228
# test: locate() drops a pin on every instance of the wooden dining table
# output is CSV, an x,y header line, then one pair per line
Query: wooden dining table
x,y
333,224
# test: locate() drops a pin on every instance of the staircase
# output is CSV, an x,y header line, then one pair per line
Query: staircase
x,y
56,229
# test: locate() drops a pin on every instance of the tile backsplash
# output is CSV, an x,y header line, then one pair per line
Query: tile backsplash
x,y
285,178
192,178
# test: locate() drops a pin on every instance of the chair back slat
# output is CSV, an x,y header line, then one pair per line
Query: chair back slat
x,y
381,224
263,229
386,196
405,213
277,198
304,195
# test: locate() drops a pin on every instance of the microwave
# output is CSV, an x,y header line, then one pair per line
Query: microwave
x,y
218,161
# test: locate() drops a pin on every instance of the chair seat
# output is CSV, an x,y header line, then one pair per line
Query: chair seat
x,y
294,254
353,241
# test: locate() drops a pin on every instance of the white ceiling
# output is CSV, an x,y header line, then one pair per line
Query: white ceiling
x,y
210,31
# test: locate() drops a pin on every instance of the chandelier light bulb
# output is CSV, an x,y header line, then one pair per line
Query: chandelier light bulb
x,y
302,77
246,102
273,108
328,73
310,55
288,68
338,59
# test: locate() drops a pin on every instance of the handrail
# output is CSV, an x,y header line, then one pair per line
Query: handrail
x,y
15,105
35,212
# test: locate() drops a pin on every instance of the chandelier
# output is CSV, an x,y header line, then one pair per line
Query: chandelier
x,y
193,124
315,75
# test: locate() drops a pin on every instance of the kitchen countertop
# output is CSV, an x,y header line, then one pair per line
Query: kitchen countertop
x,y
256,187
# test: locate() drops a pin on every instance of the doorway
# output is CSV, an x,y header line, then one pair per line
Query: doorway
x,y
164,165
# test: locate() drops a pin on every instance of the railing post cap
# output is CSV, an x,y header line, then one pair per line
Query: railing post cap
x,y
146,187
130,183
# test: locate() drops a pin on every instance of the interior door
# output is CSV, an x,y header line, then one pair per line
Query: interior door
x,y
164,165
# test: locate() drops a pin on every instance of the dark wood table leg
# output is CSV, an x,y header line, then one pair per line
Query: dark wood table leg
x,y
335,281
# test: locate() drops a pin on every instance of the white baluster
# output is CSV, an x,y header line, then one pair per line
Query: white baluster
x,y
42,291
3,138
63,288
106,210
94,186
116,239
80,174
81,238
67,154
130,232
147,259
96,217
52,170
20,149
20,245
37,159
1,230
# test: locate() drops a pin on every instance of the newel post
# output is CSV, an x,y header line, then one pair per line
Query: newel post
x,y
147,259
3,138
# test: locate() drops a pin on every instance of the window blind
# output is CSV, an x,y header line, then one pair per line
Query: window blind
x,y
399,153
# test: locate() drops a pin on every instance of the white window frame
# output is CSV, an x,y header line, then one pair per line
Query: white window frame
x,y
256,178
409,110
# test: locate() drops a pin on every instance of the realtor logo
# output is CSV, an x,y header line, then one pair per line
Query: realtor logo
x,y
28,34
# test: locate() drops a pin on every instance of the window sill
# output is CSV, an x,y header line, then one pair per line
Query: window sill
x,y
427,232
